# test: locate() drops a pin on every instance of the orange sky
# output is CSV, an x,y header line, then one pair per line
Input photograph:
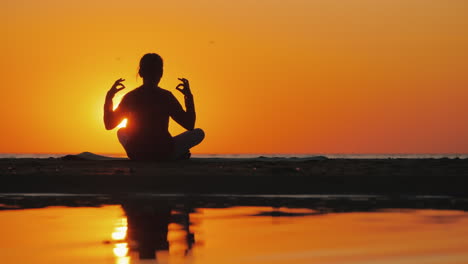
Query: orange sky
x,y
323,76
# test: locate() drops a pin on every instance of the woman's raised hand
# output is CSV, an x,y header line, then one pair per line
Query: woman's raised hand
x,y
185,87
117,87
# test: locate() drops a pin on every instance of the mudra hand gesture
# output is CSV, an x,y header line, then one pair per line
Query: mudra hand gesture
x,y
117,87
185,88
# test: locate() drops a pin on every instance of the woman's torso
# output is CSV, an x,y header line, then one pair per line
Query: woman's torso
x,y
148,111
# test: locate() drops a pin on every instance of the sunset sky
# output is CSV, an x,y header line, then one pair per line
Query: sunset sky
x,y
268,76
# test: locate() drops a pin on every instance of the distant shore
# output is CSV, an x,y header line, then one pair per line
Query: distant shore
x,y
267,155
238,176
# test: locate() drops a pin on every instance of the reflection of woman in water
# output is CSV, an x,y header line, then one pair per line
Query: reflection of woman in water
x,y
148,227
147,109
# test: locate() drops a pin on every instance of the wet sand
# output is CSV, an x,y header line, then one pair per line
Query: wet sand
x,y
238,176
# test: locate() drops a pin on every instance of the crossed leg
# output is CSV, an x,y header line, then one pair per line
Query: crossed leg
x,y
182,142
185,141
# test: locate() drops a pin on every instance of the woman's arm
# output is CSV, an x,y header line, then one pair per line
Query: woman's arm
x,y
185,118
112,117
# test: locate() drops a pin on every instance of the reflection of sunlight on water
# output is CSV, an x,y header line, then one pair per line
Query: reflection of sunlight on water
x,y
235,235
121,249
123,260
120,231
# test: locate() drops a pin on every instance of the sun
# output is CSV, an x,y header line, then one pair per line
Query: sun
x,y
116,104
123,123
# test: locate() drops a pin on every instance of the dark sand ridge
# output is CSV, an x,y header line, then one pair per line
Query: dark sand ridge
x,y
86,173
320,204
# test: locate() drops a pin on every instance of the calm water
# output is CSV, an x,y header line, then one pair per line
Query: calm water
x,y
146,231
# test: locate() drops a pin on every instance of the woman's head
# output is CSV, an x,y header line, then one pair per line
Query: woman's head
x,y
151,67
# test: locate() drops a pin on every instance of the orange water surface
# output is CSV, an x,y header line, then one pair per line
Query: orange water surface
x,y
116,234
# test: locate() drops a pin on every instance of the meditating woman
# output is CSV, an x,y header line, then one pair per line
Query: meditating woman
x,y
147,110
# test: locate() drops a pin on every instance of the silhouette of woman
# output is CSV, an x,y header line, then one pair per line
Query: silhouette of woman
x,y
147,109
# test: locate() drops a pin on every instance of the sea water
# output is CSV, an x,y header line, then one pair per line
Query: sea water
x,y
139,232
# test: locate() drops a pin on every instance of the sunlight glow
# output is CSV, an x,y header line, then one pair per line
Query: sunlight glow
x,y
123,260
123,123
120,230
121,249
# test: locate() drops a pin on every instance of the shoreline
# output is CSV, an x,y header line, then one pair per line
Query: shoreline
x,y
256,155
321,204
238,176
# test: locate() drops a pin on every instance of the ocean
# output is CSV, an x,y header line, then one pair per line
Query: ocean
x,y
98,229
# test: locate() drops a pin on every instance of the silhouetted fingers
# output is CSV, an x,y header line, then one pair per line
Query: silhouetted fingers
x,y
180,90
117,84
183,80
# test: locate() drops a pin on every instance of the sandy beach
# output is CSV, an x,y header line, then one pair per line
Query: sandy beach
x,y
238,176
